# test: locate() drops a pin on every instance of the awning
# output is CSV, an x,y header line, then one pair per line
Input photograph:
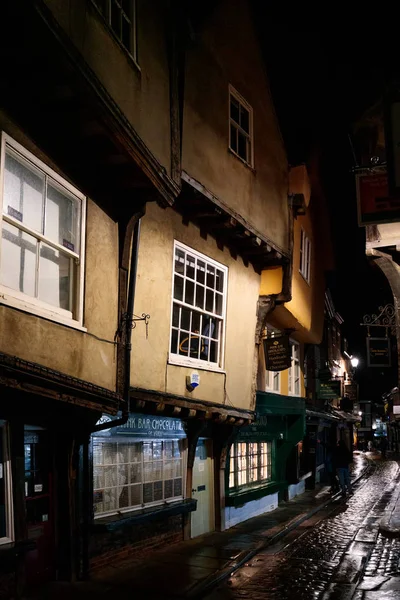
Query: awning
x,y
345,416
321,414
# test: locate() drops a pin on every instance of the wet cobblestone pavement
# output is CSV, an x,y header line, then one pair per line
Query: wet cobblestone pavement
x,y
339,554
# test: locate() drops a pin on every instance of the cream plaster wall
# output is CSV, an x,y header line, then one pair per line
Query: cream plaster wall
x,y
227,52
150,367
142,94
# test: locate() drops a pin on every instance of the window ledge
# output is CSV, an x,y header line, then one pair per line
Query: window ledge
x,y
8,300
246,164
177,362
243,496
113,522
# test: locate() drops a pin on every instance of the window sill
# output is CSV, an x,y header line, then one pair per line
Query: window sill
x,y
176,361
113,522
25,306
246,164
240,497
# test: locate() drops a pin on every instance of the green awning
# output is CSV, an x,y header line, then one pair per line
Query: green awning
x,y
276,404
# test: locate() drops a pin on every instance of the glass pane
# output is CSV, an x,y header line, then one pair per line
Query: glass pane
x,y
127,8
179,261
98,478
183,343
175,316
219,281
200,271
158,490
190,265
219,303
189,292
178,287
213,352
242,145
124,500
157,450
177,466
196,318
174,341
123,453
234,109
126,34
147,451
18,260
110,499
168,469
23,193
136,495
244,119
209,300
116,18
177,487
210,276
62,219
234,145
168,488
55,277
156,472
199,296
185,319
136,473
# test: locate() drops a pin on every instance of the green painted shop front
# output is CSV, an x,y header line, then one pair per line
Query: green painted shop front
x,y
263,464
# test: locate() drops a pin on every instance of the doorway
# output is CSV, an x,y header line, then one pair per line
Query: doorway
x,y
40,562
203,519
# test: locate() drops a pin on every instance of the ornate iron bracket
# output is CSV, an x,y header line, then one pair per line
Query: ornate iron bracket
x,y
385,318
144,318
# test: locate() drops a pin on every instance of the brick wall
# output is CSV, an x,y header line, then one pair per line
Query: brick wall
x,y
110,547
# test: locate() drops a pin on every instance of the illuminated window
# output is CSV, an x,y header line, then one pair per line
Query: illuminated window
x,y
120,16
42,231
305,256
240,127
294,371
198,308
128,475
250,464
6,515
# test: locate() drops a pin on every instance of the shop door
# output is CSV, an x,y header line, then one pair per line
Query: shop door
x,y
40,563
203,489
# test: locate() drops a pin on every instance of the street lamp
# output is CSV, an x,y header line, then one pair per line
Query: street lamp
x,y
354,362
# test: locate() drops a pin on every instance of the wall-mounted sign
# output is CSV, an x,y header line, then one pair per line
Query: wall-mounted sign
x,y
351,391
147,426
374,203
329,390
277,353
378,352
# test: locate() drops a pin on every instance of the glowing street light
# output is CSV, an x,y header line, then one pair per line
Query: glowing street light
x,y
354,362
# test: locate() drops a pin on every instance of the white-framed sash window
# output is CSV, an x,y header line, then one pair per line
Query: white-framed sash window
x,y
250,464
120,17
294,370
305,256
198,309
6,501
42,237
240,127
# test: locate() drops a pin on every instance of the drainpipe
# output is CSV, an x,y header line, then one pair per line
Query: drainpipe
x,y
128,332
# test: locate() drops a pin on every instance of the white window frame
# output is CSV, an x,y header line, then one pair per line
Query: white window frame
x,y
142,462
180,360
294,369
17,299
305,256
239,98
7,476
235,458
133,53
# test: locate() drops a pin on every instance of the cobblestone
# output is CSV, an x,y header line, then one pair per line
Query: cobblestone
x,y
343,556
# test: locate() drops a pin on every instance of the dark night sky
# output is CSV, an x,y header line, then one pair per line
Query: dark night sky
x,y
325,70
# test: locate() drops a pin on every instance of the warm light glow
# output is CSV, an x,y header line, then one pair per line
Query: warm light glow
x,y
354,362
360,412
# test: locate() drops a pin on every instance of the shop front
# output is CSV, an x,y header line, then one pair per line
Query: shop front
x,y
139,482
263,465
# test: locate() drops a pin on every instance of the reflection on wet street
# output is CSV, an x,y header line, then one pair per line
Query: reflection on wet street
x,y
338,554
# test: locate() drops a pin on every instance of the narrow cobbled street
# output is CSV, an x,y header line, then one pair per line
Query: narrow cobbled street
x,y
337,554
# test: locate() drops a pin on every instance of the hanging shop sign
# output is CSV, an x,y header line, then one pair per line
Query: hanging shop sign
x,y
277,353
329,390
351,391
378,352
147,426
374,203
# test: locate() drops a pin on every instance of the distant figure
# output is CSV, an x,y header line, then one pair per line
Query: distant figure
x,y
384,445
369,446
342,459
331,469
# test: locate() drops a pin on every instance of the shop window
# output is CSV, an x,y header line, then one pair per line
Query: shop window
x,y
42,239
240,127
305,256
250,464
6,513
131,475
120,17
294,370
198,309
